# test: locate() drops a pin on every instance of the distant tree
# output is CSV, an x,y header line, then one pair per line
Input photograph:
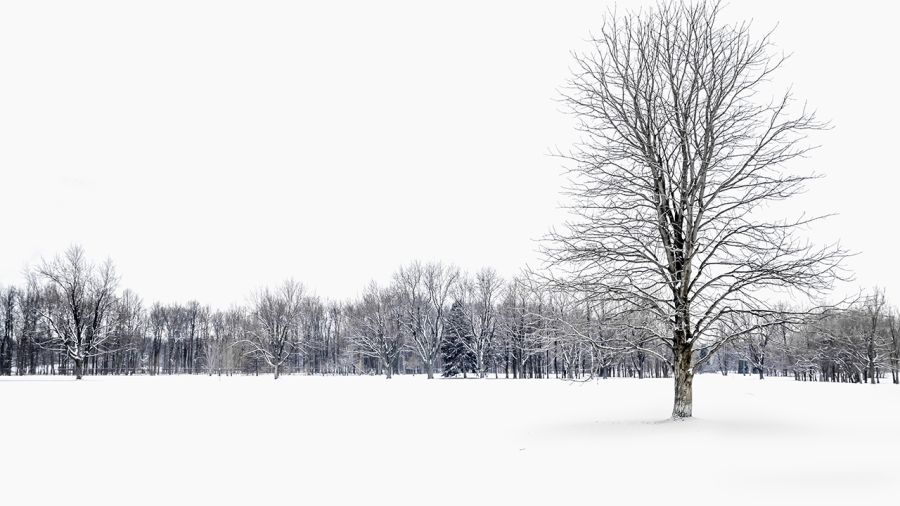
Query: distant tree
x,y
79,296
876,346
456,356
754,345
174,325
7,328
849,344
522,320
275,332
723,360
32,330
194,315
128,327
157,328
224,332
425,298
481,296
375,328
895,347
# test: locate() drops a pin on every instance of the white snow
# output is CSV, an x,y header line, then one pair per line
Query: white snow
x,y
367,440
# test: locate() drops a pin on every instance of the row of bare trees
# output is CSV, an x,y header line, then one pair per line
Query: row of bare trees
x,y
70,317
483,325
856,344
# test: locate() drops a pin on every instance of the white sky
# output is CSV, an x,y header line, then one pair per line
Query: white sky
x,y
210,147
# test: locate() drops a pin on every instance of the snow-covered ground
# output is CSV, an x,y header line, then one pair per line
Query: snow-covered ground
x,y
365,440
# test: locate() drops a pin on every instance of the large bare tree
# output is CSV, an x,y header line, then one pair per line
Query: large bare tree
x,y
277,315
80,295
375,327
679,153
425,291
480,295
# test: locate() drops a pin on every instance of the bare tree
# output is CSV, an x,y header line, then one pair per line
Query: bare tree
x,y
479,296
80,295
524,323
678,154
7,327
226,327
873,308
757,336
277,320
375,327
895,347
128,326
425,296
32,329
722,360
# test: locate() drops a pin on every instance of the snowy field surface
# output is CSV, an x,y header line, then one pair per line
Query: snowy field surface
x,y
365,440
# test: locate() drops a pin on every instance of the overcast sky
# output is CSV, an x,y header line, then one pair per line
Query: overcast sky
x,y
211,147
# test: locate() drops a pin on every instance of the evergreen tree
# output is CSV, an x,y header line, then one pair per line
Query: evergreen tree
x,y
455,354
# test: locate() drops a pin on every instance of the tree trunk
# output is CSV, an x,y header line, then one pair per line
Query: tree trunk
x,y
429,369
276,372
684,379
78,368
3,347
895,365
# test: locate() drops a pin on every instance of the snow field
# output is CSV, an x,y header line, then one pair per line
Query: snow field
x,y
409,440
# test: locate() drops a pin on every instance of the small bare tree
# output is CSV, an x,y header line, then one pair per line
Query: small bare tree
x,y
678,156
80,294
277,318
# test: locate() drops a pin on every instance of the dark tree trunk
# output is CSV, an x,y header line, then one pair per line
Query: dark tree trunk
x,y
5,365
684,379
78,368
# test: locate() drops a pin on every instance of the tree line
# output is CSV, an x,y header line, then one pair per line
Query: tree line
x,y
857,344
70,317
